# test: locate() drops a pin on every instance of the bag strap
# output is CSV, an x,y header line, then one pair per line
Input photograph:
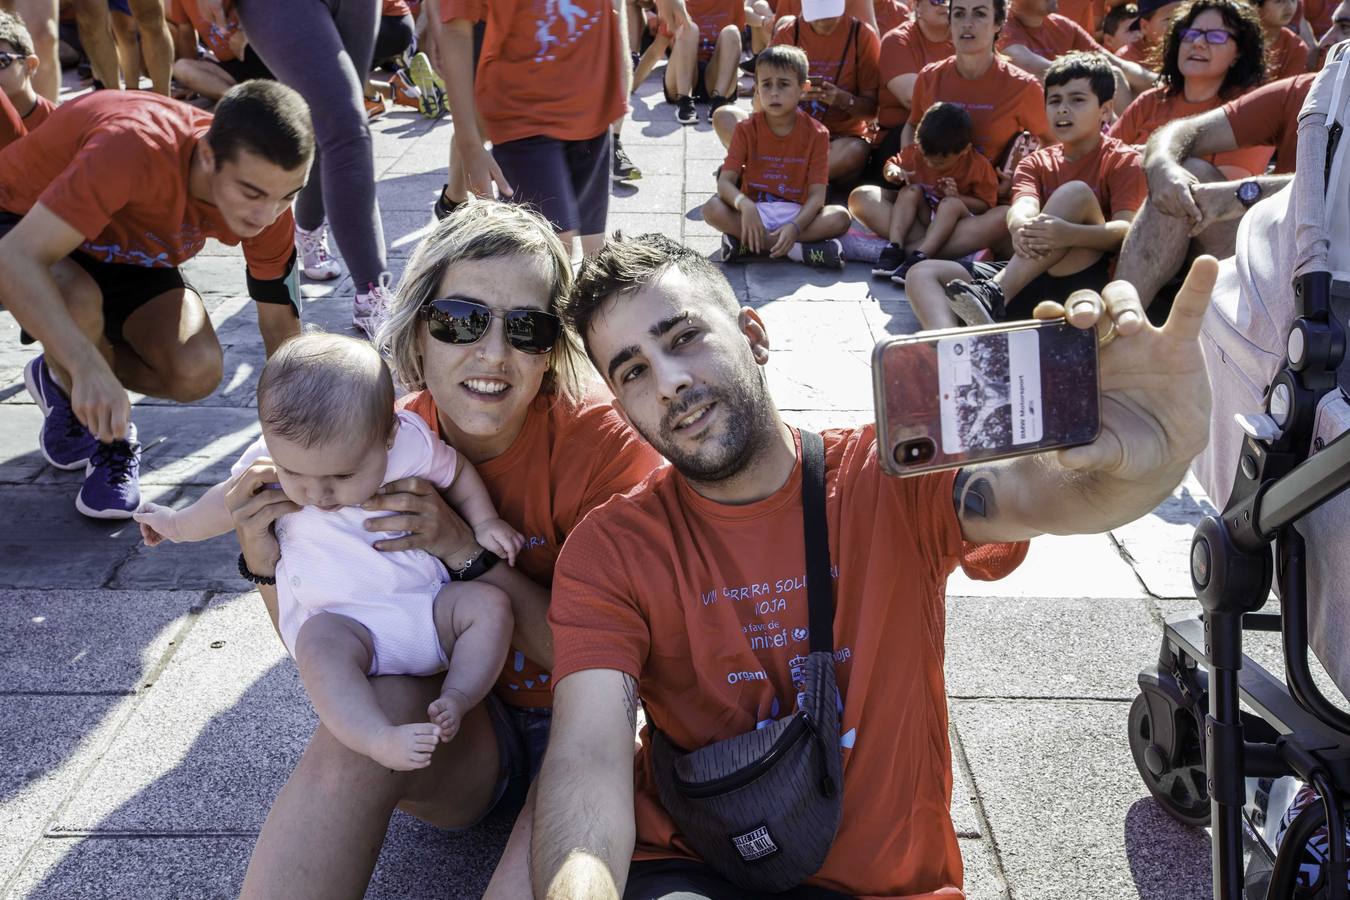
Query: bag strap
x,y
819,584
848,45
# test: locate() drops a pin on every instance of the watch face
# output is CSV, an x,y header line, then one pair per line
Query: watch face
x,y
1249,192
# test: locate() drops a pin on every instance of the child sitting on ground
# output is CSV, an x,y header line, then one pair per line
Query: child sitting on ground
x,y
344,609
1072,205
945,178
771,188
18,62
1117,27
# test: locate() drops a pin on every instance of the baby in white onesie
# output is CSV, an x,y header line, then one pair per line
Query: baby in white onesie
x,y
344,609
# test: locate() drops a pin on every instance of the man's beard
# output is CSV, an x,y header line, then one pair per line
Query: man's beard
x,y
746,428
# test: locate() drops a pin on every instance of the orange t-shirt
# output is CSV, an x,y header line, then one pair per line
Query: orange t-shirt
x,y
1141,52
855,8
711,16
1154,108
114,165
186,12
1055,36
779,168
1268,117
890,14
705,605
39,113
1318,14
568,458
1087,13
1001,102
1288,55
973,174
848,64
905,51
11,123
547,70
1114,171
398,8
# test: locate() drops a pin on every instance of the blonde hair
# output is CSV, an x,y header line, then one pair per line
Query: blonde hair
x,y
481,230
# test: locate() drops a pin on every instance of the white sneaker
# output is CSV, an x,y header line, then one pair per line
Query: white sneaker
x,y
371,308
316,261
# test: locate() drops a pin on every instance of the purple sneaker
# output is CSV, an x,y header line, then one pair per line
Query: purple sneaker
x,y
64,441
112,487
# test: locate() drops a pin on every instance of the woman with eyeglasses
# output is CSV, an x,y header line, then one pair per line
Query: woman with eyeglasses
x,y
474,333
1214,51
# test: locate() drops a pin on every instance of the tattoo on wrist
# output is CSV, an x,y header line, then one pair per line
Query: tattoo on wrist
x,y
973,495
630,700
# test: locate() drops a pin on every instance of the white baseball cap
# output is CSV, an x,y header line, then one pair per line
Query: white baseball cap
x,y
813,10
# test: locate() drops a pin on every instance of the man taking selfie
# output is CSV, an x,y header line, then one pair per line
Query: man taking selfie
x,y
690,591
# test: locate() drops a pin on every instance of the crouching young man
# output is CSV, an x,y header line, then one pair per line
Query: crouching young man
x,y
652,598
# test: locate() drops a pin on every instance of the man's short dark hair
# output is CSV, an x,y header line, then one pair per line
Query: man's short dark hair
x,y
944,129
265,118
625,264
1117,14
786,58
1090,66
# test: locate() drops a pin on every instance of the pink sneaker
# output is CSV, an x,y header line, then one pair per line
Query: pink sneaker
x,y
370,308
316,261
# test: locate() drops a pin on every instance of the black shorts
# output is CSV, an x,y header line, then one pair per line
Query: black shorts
x,y
1045,286
125,288
567,181
888,146
687,879
700,83
248,68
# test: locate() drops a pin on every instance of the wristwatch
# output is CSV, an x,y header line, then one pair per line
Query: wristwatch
x,y
474,566
1248,192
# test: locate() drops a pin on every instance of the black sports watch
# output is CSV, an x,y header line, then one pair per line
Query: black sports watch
x,y
476,565
1248,192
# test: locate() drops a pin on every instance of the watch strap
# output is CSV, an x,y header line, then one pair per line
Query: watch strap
x,y
482,561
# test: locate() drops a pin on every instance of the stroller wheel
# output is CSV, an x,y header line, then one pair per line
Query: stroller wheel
x,y
1165,744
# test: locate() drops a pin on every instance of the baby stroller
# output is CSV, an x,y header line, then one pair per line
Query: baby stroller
x,y
1218,739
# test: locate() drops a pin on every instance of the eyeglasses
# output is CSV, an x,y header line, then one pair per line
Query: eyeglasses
x,y
1216,36
454,321
937,2
9,59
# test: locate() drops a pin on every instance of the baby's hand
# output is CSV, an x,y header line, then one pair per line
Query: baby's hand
x,y
893,173
947,187
447,712
500,538
157,523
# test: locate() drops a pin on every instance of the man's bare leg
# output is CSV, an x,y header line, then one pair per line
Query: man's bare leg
x,y
511,878
924,289
169,349
203,77
723,70
91,20
40,16
128,49
682,67
156,42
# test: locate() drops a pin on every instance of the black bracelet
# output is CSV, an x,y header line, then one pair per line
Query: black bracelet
x,y
248,575
480,563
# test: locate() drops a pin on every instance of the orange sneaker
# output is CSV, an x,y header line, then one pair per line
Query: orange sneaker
x,y
403,92
375,107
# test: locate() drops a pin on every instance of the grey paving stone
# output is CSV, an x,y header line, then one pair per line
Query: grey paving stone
x,y
888,312
783,279
818,419
650,194
94,642
702,143
207,748
1016,647
405,192
20,459
654,160
635,223
1159,544
211,565
1079,565
1070,816
428,155
46,743
708,245
982,880
698,170
800,325
823,379
417,855
152,868
39,555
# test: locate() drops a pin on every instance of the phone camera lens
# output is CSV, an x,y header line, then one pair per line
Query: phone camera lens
x,y
915,452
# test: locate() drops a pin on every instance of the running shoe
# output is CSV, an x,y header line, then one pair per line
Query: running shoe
x,y
429,84
112,488
375,107
370,308
903,269
978,302
623,169
892,255
404,93
685,111
444,205
316,261
732,250
824,254
63,440
716,102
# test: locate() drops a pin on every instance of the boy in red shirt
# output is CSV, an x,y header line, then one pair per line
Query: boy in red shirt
x,y
1072,203
1286,51
946,180
98,209
18,64
771,189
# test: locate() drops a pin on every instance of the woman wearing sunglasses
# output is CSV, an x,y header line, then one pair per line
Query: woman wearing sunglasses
x,y
473,332
1214,51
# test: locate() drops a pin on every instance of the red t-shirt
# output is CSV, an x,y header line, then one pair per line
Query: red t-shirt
x,y
215,39
858,73
1055,36
568,458
973,174
11,123
39,113
1268,117
1087,13
550,70
1288,55
1001,102
705,605
1317,13
711,16
890,14
397,8
114,165
905,51
1141,52
1114,171
779,168
1153,108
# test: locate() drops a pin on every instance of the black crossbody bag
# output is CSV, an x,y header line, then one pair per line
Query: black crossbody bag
x,y
762,808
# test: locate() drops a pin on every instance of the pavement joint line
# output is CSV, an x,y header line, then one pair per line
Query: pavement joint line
x,y
124,693
121,714
121,835
986,835
1131,562
1037,698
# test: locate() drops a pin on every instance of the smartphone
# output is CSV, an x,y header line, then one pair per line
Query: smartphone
x,y
948,398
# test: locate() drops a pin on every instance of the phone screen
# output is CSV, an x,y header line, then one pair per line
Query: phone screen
x,y
947,398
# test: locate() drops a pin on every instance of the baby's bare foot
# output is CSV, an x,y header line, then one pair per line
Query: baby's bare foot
x,y
447,711
404,747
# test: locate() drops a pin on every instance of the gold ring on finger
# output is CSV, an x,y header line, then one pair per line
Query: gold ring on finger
x,y
1110,335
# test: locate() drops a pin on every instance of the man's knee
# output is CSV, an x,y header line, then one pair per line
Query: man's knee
x,y
194,371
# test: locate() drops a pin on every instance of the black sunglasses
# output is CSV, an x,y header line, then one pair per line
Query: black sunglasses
x,y
9,59
454,321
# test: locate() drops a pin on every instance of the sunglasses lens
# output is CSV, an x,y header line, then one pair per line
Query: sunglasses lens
x,y
532,331
457,321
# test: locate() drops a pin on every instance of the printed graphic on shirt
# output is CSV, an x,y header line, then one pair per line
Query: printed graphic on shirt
x,y
559,24
776,181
